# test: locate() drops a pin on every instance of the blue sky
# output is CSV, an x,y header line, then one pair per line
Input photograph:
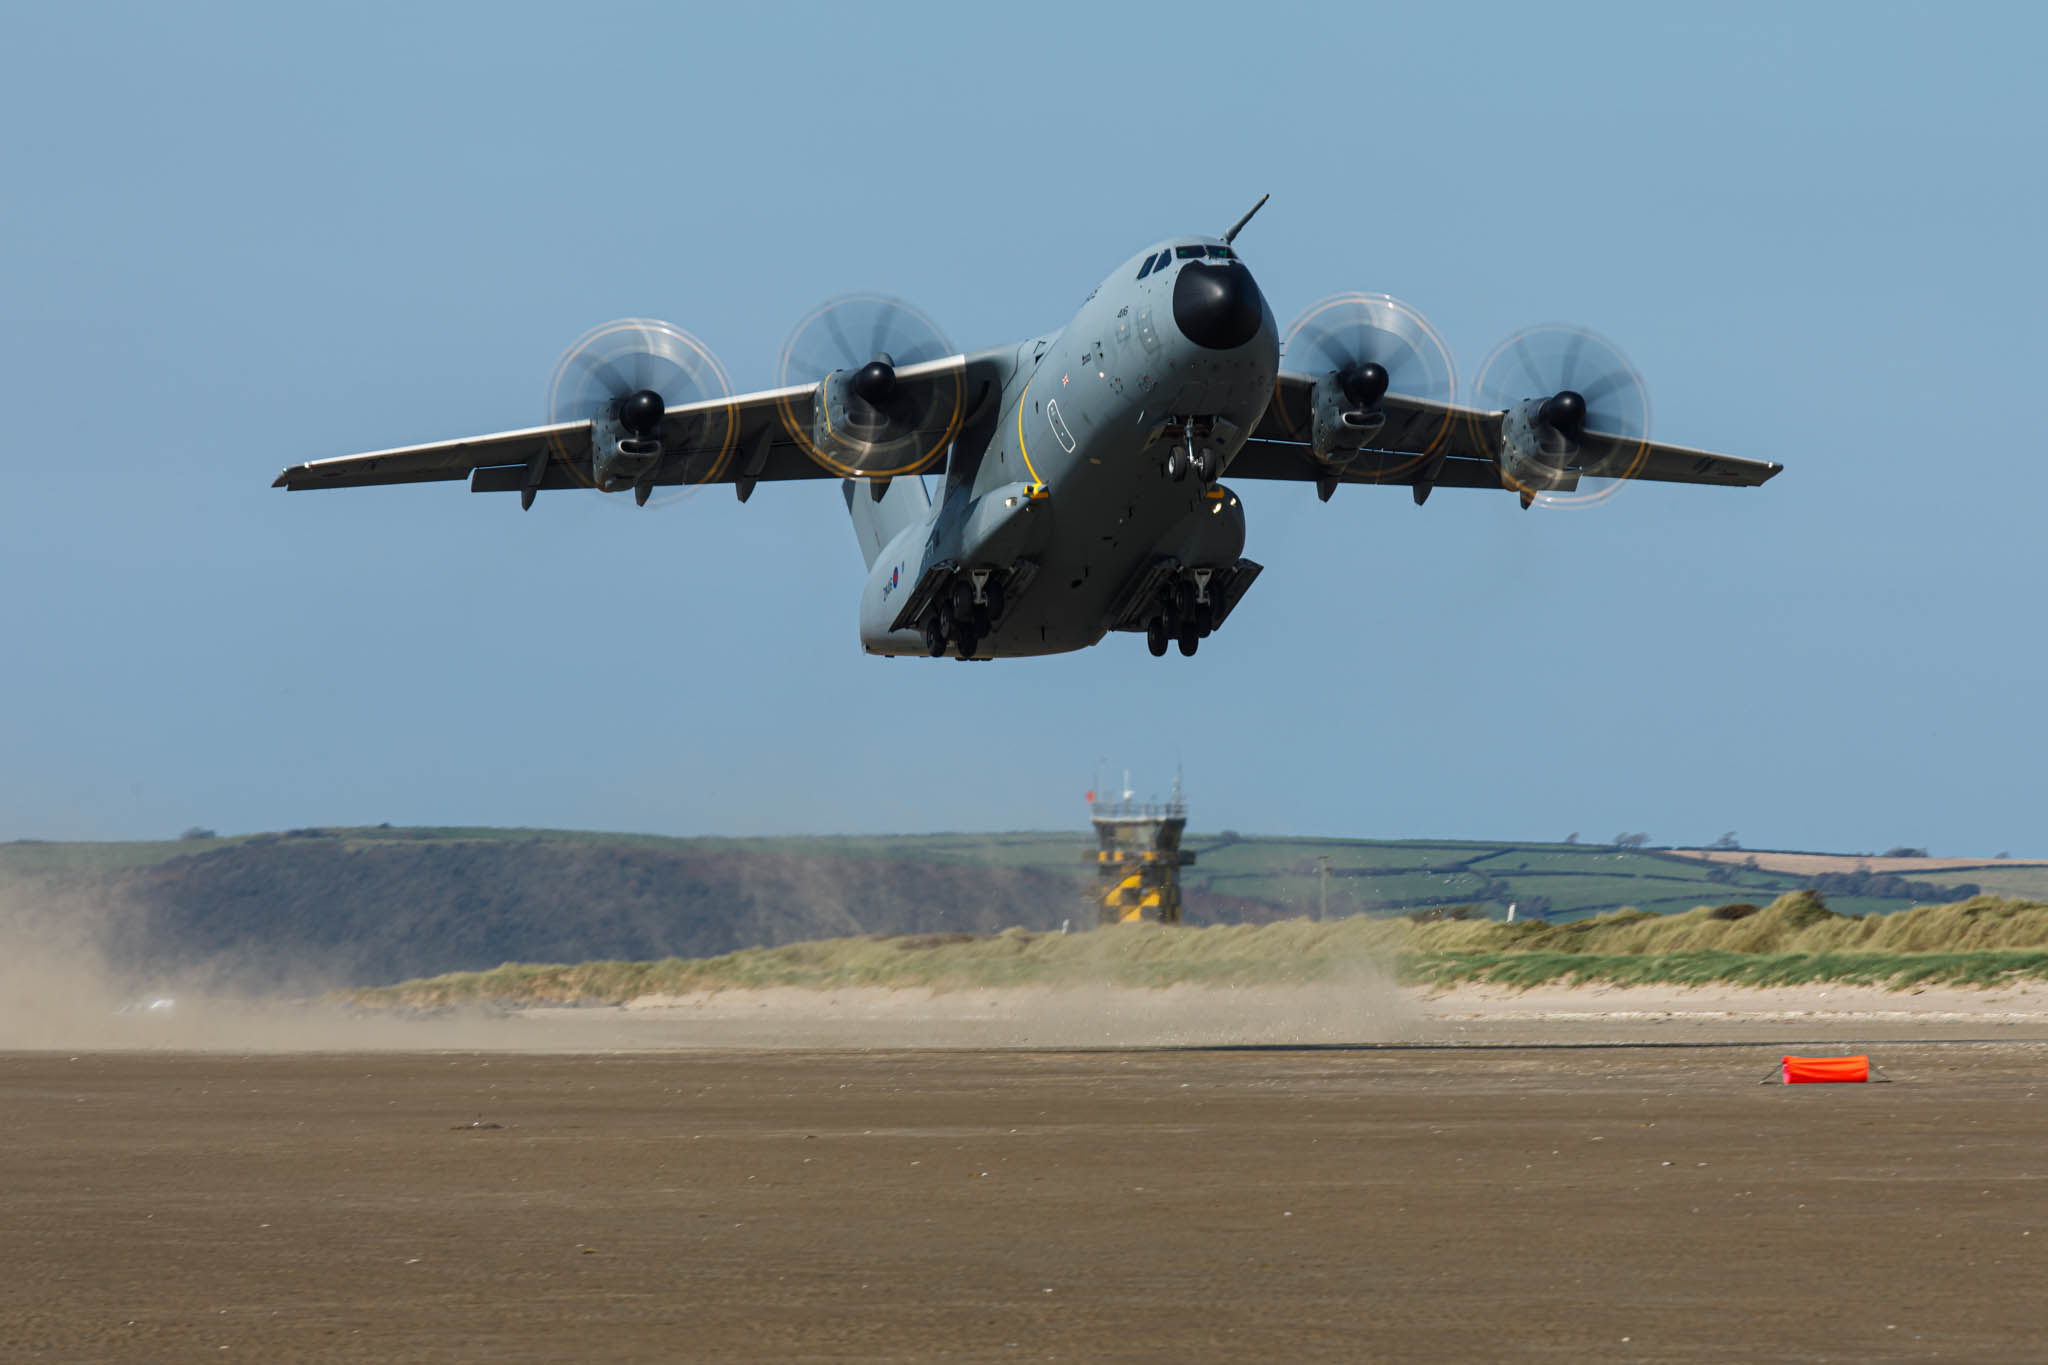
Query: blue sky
x,y
234,239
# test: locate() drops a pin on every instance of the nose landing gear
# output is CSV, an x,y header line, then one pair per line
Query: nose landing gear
x,y
1192,447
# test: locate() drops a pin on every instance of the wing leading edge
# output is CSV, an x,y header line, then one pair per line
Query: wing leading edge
x,y
1458,445
737,440
742,440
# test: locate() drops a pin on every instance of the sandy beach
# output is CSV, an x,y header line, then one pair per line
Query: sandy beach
x,y
1366,1011
1327,1173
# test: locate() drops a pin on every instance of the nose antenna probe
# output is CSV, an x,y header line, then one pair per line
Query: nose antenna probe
x,y
1238,226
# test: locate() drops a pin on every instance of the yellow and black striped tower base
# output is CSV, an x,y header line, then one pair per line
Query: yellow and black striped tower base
x,y
1138,859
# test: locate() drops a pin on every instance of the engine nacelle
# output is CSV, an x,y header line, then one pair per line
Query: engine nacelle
x,y
1534,453
625,441
1341,426
865,420
618,458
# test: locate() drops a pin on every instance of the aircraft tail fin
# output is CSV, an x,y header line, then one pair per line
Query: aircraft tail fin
x,y
877,521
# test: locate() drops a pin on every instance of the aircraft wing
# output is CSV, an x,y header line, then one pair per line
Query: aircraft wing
x,y
1418,433
741,440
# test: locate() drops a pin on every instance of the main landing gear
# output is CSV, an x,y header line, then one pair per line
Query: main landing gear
x,y
1186,614
966,612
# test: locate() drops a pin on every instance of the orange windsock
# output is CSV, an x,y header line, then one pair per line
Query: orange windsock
x,y
1806,1070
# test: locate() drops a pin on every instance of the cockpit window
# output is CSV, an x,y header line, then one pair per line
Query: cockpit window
x,y
1185,253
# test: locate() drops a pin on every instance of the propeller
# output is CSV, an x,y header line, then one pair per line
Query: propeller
x,y
1374,344
887,426
635,372
1580,382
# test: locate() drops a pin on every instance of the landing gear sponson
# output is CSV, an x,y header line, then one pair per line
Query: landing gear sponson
x,y
1182,605
956,608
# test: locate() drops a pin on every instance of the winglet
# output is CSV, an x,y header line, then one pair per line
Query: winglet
x,y
1238,226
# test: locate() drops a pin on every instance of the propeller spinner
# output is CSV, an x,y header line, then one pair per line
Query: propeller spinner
x,y
1372,343
873,424
1361,347
1560,383
626,378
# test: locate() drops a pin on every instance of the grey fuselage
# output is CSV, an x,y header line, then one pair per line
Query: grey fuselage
x,y
1066,469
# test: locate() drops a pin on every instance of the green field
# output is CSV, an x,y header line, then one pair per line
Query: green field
x,y
2028,882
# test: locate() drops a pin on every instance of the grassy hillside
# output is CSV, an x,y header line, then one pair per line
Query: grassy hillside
x,y
1367,876
1795,939
383,904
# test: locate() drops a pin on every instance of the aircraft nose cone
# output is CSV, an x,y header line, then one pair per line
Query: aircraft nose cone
x,y
1217,306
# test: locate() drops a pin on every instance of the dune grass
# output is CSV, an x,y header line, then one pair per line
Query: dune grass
x,y
1794,940
1799,922
1894,971
1291,951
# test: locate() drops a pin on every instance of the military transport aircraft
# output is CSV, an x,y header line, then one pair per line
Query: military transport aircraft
x,y
1078,472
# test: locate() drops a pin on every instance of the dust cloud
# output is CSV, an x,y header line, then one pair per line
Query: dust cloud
x,y
70,979
1363,1007
64,996
63,987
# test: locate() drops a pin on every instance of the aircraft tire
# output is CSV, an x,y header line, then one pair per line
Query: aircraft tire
x,y
1155,637
1190,640
967,645
934,638
1176,464
981,620
993,595
1205,466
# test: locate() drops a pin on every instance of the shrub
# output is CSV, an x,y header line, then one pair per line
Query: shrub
x,y
1436,914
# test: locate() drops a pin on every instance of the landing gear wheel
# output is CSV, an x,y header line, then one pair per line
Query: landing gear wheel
x,y
1183,600
981,620
943,621
1205,466
1176,464
1190,639
1155,637
934,638
993,596
968,644
963,600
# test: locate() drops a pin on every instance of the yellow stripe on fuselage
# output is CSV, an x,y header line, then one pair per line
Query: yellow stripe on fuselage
x,y
1036,482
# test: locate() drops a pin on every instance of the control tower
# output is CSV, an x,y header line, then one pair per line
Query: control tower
x,y
1138,857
